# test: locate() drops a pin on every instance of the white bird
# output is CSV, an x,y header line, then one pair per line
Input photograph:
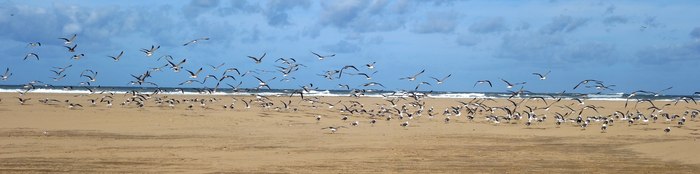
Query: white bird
x,y
178,66
149,52
542,76
667,130
321,57
69,41
194,74
6,75
195,41
440,81
31,54
333,128
117,57
412,78
258,60
404,124
370,65
77,56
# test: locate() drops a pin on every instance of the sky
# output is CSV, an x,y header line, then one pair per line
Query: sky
x,y
634,45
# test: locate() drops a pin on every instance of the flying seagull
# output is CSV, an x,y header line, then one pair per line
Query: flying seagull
x,y
69,41
262,83
321,57
412,78
370,65
34,44
195,41
149,52
176,67
194,74
31,54
586,82
542,76
78,56
440,81
483,81
258,60
118,56
71,49
6,75
510,85
217,67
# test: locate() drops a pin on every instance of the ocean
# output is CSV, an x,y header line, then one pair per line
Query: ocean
x,y
280,92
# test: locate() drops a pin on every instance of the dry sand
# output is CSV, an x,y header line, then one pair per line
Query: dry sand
x,y
52,138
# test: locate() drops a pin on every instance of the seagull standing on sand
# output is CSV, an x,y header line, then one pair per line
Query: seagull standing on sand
x,y
667,130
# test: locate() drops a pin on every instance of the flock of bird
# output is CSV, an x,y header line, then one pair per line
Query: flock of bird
x,y
407,105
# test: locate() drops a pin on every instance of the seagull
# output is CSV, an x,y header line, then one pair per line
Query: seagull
x,y
92,78
320,57
483,81
604,128
412,78
347,87
542,76
356,123
373,84
194,74
333,128
177,67
510,85
34,44
149,52
31,54
370,65
262,83
586,82
195,41
217,67
190,82
118,56
23,100
59,77
77,56
69,41
346,67
6,75
258,60
404,124
71,49
440,81
667,130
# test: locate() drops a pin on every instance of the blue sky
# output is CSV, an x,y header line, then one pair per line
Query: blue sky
x,y
649,45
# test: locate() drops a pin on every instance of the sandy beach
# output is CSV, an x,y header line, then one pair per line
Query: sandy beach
x,y
38,137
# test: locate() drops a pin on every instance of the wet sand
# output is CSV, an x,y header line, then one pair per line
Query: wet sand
x,y
36,138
